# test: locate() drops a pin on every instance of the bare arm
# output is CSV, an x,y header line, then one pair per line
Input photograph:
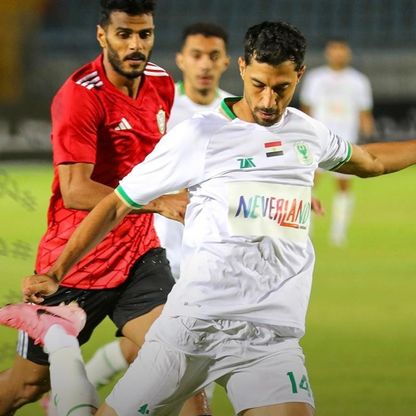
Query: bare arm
x,y
79,191
380,158
96,225
367,127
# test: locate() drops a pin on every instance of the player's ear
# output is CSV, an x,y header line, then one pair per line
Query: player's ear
x,y
241,66
101,36
179,60
227,61
301,72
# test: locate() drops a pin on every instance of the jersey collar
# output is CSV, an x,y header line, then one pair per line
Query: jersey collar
x,y
226,109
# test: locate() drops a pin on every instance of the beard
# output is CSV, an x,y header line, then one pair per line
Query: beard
x,y
117,63
266,123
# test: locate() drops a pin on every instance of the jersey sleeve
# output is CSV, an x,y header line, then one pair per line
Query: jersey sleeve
x,y
335,150
177,162
76,115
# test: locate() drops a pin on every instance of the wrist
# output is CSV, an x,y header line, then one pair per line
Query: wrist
x,y
55,275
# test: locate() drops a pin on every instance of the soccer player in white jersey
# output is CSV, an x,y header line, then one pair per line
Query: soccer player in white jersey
x,y
238,310
340,97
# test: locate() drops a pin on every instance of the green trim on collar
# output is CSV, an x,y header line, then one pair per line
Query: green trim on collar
x,y
181,88
226,109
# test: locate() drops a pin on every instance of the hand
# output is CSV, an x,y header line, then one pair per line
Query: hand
x,y
172,206
35,287
317,206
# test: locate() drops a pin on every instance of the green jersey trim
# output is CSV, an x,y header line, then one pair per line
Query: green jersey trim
x,y
226,108
181,88
347,158
125,198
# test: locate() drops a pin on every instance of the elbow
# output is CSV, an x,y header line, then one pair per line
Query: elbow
x,y
70,200
69,203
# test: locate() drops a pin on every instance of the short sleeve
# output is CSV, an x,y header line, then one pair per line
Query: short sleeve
x,y
76,115
177,162
335,152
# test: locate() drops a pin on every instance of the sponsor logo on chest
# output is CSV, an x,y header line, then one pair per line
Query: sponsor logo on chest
x,y
269,209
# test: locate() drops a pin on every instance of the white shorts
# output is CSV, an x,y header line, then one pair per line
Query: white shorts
x,y
255,364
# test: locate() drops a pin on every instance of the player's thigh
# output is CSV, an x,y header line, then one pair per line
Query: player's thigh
x,y
136,329
25,380
129,349
151,384
284,409
279,378
142,296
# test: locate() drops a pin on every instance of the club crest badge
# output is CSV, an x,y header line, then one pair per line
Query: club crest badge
x,y
161,121
304,154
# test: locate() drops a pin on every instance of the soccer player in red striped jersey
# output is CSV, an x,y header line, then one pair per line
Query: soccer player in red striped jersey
x,y
106,118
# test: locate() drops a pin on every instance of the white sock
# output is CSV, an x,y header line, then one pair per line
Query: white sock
x,y
106,362
72,393
341,214
56,338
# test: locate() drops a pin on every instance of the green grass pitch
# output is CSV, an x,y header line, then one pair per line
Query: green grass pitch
x,y
360,340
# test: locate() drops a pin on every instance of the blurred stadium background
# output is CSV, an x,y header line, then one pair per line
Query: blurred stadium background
x,y
360,340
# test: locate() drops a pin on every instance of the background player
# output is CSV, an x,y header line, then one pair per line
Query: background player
x,y
105,119
340,97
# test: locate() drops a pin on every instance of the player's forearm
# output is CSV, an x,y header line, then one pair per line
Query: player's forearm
x,y
86,196
393,156
102,219
367,126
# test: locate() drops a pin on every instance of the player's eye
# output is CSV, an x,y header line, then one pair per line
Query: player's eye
x,y
280,90
196,55
123,35
145,34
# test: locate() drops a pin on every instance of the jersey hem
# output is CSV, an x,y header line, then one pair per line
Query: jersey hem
x,y
288,324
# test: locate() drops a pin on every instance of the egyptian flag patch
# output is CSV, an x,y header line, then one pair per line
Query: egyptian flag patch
x,y
273,149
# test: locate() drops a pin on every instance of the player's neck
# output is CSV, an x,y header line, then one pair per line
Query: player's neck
x,y
242,111
338,68
201,97
129,87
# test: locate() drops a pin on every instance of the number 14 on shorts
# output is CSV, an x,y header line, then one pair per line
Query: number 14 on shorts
x,y
303,383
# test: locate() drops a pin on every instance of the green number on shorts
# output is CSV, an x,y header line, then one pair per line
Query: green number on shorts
x,y
293,382
304,385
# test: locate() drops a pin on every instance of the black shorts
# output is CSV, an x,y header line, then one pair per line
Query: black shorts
x,y
147,286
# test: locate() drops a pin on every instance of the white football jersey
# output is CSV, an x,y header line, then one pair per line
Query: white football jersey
x,y
246,250
170,232
336,98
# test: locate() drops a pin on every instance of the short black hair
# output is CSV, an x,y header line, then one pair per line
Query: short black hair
x,y
131,7
274,43
205,29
